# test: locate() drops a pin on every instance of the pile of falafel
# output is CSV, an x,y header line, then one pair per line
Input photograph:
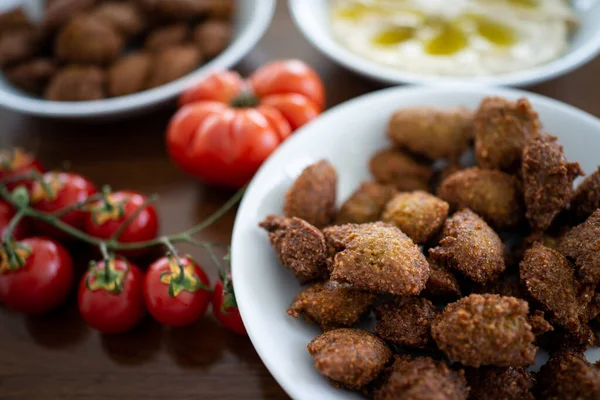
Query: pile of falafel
x,y
469,269
91,49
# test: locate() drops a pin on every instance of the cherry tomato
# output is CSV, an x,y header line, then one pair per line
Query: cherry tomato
x,y
65,189
230,316
7,212
17,161
113,303
105,218
171,299
42,283
227,126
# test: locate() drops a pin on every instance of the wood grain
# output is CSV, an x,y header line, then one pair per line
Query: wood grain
x,y
57,357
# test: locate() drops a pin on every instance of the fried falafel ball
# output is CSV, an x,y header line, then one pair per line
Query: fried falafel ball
x,y
418,214
75,83
550,280
129,74
167,36
587,197
406,322
502,128
59,12
32,76
547,180
189,9
365,204
503,286
582,244
486,330
568,375
123,16
492,194
331,304
212,37
18,45
538,323
313,194
173,63
471,247
442,284
87,39
350,358
400,169
431,132
494,383
14,19
380,258
422,378
299,246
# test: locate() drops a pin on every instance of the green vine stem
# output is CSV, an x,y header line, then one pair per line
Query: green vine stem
x,y
111,245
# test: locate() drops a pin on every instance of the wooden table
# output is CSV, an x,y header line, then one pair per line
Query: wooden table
x,y
58,357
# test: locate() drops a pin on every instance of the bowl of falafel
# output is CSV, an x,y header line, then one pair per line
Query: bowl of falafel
x,y
427,243
90,59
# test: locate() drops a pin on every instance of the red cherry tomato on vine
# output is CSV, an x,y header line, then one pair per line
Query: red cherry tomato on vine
x,y
171,299
227,126
228,315
112,302
105,218
7,212
65,189
17,161
42,283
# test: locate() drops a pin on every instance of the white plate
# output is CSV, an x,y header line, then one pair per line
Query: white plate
x,y
252,19
347,136
312,17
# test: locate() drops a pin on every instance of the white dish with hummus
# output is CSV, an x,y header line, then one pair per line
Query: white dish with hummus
x,y
497,42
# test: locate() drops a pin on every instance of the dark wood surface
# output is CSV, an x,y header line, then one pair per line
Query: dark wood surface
x,y
57,357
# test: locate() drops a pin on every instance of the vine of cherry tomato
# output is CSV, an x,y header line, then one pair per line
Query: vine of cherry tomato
x,y
7,212
17,161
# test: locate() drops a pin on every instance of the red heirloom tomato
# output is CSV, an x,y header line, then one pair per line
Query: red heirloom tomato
x,y
65,189
227,127
106,217
226,310
175,298
17,161
6,213
112,301
43,281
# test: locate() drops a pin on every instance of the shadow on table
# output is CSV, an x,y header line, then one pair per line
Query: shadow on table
x,y
197,346
137,346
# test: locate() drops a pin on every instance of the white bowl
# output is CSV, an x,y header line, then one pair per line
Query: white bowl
x,y
312,17
252,19
347,135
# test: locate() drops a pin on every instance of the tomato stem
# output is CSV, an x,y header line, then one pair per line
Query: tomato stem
x,y
8,234
79,205
246,99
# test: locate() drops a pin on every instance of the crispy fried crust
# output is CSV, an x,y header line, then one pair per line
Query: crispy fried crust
x,y
406,322
538,323
331,305
502,128
400,169
418,214
492,194
582,244
568,375
486,330
587,197
313,194
422,378
432,132
550,280
299,246
365,204
504,286
349,357
548,180
493,383
471,247
442,284
380,258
